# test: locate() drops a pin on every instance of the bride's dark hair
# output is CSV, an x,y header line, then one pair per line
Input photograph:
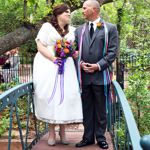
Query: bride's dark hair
x,y
59,9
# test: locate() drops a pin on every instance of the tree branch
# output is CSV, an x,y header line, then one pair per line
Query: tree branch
x,y
15,39
25,33
102,2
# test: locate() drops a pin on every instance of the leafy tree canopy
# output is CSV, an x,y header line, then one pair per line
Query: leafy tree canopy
x,y
131,16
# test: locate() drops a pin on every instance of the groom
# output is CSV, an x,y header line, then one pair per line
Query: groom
x,y
97,43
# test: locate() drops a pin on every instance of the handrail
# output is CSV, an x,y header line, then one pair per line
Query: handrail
x,y
129,118
9,101
11,95
118,111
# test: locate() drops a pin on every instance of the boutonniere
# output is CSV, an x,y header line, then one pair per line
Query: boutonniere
x,y
99,25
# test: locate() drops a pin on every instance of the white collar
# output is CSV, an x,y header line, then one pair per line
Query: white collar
x,y
94,23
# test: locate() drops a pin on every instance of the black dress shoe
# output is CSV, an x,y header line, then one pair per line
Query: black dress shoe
x,y
83,143
103,144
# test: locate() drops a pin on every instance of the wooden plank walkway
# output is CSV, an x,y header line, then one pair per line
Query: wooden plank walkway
x,y
73,137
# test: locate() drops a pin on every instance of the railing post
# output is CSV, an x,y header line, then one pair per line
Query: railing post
x,y
145,142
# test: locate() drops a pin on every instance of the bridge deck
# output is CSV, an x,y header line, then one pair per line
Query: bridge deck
x,y
73,137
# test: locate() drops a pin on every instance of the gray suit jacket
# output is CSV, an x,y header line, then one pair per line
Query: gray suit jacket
x,y
92,51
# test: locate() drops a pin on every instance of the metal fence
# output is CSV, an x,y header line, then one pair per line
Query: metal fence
x,y
23,69
130,63
18,68
135,61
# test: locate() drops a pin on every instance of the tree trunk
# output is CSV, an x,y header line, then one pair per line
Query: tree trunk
x,y
16,38
25,9
119,65
102,2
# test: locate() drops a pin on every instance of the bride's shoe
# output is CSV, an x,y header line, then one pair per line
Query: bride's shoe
x,y
63,138
51,142
52,138
63,135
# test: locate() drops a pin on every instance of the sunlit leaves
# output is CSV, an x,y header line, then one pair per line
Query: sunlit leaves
x,y
135,20
77,17
31,2
109,13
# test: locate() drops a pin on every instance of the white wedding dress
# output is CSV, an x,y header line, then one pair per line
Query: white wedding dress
x,y
44,74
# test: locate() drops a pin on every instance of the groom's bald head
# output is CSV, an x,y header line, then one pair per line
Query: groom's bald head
x,y
94,4
91,9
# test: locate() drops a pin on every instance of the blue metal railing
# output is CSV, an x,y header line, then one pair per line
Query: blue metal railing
x,y
121,123
10,101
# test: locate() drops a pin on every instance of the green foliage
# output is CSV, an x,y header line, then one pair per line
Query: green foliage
x,y
139,98
29,47
9,21
109,13
6,86
120,133
134,16
38,10
22,108
4,124
77,17
134,23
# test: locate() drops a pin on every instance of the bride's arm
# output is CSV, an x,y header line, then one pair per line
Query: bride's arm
x,y
44,51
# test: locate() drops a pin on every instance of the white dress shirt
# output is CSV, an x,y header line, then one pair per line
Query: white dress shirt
x,y
94,23
95,26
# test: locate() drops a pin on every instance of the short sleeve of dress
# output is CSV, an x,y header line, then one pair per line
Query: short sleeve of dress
x,y
43,34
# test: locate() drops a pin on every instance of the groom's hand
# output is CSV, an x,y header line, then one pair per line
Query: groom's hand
x,y
87,67
92,67
84,66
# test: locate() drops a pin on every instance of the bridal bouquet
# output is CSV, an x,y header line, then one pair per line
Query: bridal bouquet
x,y
63,49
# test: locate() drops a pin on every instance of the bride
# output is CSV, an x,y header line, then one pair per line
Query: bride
x,y
57,98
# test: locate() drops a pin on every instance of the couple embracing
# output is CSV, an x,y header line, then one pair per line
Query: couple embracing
x,y
57,97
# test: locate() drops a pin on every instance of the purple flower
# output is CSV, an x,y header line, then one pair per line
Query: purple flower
x,y
62,55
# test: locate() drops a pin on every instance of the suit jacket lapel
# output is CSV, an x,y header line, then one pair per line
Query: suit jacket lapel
x,y
87,35
95,33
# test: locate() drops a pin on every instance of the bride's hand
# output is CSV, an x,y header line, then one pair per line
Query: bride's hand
x,y
57,61
75,55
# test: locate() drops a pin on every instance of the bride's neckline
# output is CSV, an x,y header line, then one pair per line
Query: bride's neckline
x,y
57,31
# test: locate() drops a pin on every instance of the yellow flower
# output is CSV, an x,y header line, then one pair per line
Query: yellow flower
x,y
99,24
58,41
59,45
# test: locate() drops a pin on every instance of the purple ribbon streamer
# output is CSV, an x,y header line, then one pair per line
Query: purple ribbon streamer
x,y
54,89
62,88
61,67
61,73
